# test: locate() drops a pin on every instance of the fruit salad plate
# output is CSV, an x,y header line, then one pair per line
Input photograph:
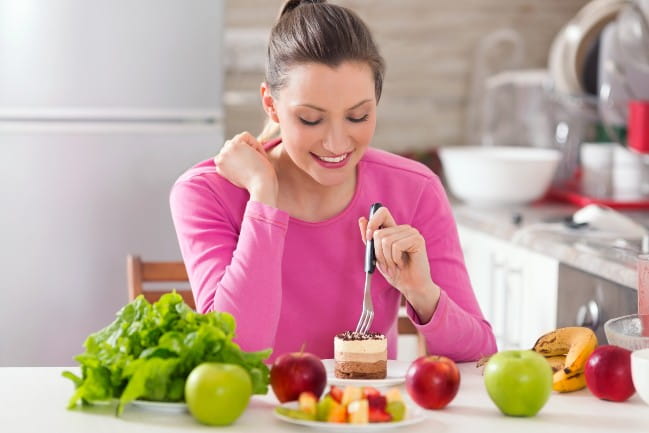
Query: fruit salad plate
x,y
413,416
396,375
164,406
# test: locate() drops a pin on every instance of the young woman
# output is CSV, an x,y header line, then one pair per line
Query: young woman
x,y
268,230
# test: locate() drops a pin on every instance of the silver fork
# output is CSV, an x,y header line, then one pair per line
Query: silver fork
x,y
367,315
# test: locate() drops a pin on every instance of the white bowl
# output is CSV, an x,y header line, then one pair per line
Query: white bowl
x,y
640,373
498,175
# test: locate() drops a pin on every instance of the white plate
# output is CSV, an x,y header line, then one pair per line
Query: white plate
x,y
164,406
396,375
414,415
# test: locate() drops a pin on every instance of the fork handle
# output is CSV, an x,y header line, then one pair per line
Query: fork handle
x,y
370,255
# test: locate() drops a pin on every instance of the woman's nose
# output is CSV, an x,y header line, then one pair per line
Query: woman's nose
x,y
337,140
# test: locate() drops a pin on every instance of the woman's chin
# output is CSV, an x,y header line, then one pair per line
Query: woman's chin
x,y
333,179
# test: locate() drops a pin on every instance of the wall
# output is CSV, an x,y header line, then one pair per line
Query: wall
x,y
429,47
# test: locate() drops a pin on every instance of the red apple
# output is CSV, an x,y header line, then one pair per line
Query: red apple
x,y
608,373
432,381
293,373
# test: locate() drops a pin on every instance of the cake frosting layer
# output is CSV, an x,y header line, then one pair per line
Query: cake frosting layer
x,y
361,357
360,346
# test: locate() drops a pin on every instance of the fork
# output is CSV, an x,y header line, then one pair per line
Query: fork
x,y
367,315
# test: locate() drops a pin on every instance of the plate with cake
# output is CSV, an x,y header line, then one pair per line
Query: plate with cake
x,y
361,359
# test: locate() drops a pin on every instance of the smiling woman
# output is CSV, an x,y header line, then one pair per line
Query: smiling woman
x,y
269,228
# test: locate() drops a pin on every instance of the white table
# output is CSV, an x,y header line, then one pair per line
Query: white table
x,y
33,400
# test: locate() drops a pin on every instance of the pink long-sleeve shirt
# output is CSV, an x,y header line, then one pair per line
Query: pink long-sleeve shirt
x,y
290,282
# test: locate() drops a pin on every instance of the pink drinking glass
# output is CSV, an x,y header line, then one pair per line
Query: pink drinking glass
x,y
643,292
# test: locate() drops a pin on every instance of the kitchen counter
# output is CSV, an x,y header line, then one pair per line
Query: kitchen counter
x,y
537,228
33,399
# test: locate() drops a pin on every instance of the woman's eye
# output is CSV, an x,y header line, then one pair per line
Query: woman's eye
x,y
358,119
309,123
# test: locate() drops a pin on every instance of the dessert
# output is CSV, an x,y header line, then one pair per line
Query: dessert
x,y
360,356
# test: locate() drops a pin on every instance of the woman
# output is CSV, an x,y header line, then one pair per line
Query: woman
x,y
268,230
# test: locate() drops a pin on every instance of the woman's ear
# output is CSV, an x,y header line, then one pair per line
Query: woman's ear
x,y
268,102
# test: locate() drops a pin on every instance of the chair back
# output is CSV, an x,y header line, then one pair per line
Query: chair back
x,y
144,276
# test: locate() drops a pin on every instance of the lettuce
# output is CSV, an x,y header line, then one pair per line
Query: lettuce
x,y
150,349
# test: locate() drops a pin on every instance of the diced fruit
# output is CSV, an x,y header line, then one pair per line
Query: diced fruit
x,y
329,410
336,393
307,403
323,407
394,395
397,409
358,412
351,393
353,405
294,413
378,415
368,390
377,401
338,414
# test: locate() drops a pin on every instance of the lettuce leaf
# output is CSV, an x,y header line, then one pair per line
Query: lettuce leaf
x,y
150,349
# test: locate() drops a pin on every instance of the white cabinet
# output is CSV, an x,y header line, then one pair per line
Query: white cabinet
x,y
516,288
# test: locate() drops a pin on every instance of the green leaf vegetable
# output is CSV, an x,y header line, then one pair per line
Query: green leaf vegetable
x,y
150,349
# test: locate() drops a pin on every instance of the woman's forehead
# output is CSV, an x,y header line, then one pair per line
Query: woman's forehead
x,y
316,84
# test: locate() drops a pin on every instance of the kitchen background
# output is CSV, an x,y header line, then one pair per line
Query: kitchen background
x,y
430,47
93,133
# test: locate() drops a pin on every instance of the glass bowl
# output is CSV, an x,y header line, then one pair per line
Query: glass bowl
x,y
626,332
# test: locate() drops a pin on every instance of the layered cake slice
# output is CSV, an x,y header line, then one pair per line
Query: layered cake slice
x,y
360,356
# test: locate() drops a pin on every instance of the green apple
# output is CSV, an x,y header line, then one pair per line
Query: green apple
x,y
519,382
217,394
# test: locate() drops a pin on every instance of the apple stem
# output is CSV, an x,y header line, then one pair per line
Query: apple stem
x,y
302,348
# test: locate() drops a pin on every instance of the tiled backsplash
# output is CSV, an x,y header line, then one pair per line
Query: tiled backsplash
x,y
429,47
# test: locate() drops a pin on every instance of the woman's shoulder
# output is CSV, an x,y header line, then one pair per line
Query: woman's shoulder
x,y
381,162
203,173
404,185
201,181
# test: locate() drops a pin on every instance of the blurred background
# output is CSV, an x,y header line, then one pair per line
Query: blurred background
x,y
104,104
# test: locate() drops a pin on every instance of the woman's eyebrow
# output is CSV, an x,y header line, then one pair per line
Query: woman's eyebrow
x,y
315,107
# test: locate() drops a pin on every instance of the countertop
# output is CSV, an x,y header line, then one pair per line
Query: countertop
x,y
538,228
33,399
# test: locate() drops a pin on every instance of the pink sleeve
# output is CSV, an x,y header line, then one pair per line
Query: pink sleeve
x,y
230,270
457,329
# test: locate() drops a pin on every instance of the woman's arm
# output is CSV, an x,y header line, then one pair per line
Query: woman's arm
x,y
238,271
457,328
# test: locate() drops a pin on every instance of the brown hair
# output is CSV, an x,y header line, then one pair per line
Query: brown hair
x,y
315,31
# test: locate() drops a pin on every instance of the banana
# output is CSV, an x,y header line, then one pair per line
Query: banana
x,y
561,382
556,362
575,342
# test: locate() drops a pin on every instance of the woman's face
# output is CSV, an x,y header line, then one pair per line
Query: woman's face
x,y
327,117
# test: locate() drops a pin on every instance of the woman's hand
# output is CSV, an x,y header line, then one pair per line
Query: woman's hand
x,y
244,162
402,259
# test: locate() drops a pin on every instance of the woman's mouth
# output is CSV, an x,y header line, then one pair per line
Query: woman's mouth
x,y
332,161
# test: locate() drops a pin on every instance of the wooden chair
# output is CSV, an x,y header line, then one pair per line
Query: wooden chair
x,y
139,273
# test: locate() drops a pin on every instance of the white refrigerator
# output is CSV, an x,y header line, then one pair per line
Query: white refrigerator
x,y
103,104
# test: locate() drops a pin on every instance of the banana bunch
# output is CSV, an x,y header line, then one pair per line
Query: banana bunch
x,y
567,350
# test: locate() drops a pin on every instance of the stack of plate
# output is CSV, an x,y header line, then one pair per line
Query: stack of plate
x,y
572,45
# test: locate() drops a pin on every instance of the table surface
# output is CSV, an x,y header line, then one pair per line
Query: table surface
x,y
34,399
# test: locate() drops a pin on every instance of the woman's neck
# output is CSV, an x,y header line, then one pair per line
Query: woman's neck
x,y
302,196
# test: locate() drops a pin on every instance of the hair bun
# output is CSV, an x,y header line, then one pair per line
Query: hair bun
x,y
289,5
